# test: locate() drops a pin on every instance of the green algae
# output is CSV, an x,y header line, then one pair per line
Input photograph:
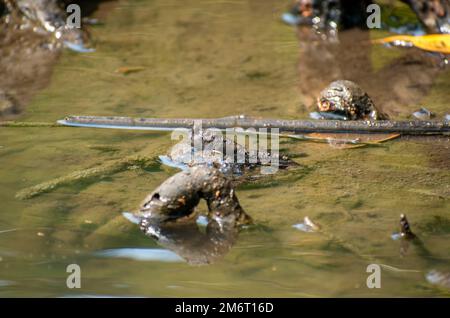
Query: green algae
x,y
12,124
87,176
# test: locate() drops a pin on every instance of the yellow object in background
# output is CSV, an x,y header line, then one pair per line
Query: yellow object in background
x,y
439,43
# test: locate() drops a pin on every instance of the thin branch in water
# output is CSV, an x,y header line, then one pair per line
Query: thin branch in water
x,y
106,169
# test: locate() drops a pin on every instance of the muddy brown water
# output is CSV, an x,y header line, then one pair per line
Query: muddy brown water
x,y
211,59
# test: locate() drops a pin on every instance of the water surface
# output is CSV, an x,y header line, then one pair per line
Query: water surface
x,y
202,58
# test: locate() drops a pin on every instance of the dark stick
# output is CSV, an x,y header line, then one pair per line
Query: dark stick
x,y
304,126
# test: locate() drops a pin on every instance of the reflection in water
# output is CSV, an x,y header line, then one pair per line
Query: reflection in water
x,y
434,15
28,64
6,283
347,55
393,88
32,34
47,17
201,241
197,247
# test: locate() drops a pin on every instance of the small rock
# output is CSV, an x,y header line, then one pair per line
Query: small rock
x,y
424,114
7,106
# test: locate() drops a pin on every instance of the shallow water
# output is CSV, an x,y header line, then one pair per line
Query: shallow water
x,y
212,59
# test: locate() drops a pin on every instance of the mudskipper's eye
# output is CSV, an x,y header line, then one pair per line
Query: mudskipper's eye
x,y
326,104
331,105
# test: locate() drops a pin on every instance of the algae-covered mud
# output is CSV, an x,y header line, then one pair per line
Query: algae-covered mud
x,y
63,190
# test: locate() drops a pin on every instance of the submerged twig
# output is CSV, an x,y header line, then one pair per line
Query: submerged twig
x,y
7,231
352,248
106,169
24,124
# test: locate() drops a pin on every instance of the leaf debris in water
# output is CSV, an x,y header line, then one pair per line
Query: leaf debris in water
x,y
439,43
125,70
307,226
